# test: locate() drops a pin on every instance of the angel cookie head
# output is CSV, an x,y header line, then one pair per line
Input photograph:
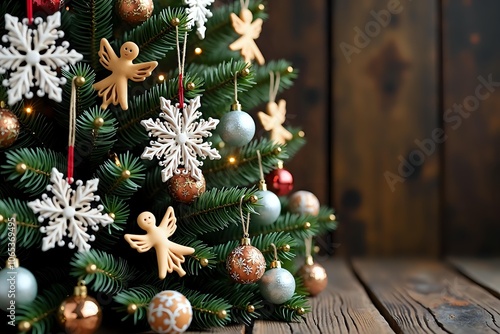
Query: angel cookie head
x,y
169,254
113,89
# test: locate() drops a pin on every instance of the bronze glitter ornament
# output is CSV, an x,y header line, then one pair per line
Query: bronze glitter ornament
x,y
184,188
245,263
9,128
135,12
314,277
80,313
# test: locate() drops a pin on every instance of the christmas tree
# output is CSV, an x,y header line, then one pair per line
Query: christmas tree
x,y
129,125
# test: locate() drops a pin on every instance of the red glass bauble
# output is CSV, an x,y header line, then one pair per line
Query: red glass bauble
x,y
280,181
48,7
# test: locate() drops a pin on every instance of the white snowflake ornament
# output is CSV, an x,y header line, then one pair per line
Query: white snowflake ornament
x,y
69,212
33,57
180,139
198,14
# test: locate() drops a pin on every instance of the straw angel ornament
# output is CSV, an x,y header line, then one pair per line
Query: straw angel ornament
x,y
113,89
169,254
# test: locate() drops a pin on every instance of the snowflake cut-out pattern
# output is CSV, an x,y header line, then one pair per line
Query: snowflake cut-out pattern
x,y
69,212
198,14
33,58
180,139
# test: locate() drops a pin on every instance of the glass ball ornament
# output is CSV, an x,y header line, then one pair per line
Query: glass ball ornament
x,y
18,286
80,313
304,203
184,188
280,181
169,312
48,7
245,264
236,128
9,128
314,277
134,12
277,285
268,208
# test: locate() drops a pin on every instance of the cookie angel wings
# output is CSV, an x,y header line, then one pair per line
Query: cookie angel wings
x,y
113,89
170,255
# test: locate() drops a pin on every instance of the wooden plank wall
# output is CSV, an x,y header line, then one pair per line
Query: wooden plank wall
x,y
472,160
385,101
376,148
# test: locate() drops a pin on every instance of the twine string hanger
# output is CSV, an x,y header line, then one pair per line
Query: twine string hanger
x,y
246,225
308,245
275,252
72,131
181,61
261,170
236,88
274,85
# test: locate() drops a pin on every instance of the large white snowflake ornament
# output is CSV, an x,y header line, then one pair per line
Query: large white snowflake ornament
x,y
33,57
69,213
198,14
180,139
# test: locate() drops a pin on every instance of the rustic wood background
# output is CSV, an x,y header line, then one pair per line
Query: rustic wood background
x,y
374,105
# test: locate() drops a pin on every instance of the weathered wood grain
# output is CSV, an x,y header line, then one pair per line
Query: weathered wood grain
x,y
343,307
472,182
423,296
485,272
385,97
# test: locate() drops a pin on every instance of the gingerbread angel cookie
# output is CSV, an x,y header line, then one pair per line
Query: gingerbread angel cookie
x,y
169,254
113,89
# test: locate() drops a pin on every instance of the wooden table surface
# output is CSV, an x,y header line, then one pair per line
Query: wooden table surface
x,y
399,296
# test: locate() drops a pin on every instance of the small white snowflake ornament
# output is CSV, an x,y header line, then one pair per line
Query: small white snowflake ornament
x,y
32,57
180,139
69,212
198,14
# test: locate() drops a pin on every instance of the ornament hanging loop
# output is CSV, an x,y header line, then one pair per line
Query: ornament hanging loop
x,y
276,263
29,11
262,182
72,131
181,60
236,106
308,244
274,86
246,225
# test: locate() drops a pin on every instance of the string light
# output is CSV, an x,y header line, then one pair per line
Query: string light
x,y
198,51
28,110
161,78
289,69
232,160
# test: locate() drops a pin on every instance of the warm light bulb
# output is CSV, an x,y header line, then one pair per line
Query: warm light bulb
x,y
198,51
232,160
28,110
161,77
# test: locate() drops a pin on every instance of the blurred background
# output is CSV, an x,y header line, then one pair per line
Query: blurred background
x,y
400,103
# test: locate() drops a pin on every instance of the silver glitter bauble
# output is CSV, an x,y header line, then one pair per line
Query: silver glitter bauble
x,y
17,287
236,128
277,285
268,208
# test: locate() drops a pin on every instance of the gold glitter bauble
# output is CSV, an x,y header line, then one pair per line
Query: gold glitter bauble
x,y
135,12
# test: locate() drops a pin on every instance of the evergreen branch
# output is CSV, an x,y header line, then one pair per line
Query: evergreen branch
x,y
327,221
219,85
296,143
213,211
94,138
299,226
36,130
245,168
85,94
157,35
103,271
259,92
92,17
282,240
244,298
27,233
202,253
207,309
41,312
154,190
292,310
121,179
147,105
138,296
108,237
31,168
